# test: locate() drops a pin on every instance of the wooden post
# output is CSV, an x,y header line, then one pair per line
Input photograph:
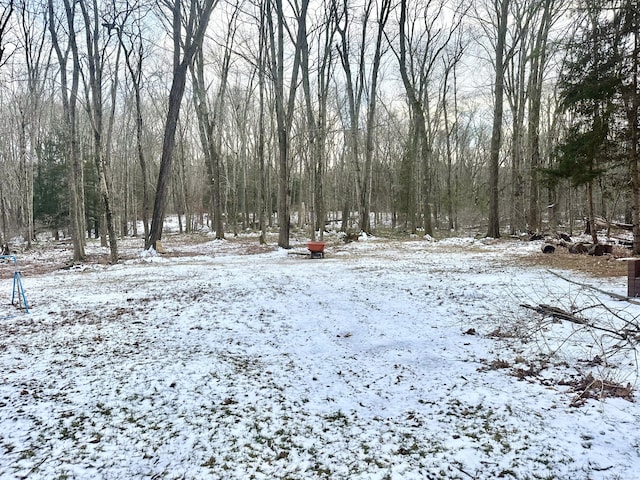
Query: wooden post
x,y
633,277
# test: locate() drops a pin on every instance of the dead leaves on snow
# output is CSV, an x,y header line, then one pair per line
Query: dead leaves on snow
x,y
585,387
589,387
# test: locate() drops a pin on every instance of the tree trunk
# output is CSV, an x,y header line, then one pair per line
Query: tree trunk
x,y
538,63
134,67
517,99
210,131
633,130
365,187
496,131
96,108
197,21
69,96
284,111
353,93
262,169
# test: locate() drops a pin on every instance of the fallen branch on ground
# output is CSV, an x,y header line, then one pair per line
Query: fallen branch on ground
x,y
560,314
586,285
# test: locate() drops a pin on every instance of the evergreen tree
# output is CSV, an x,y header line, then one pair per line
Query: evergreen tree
x,y
588,86
627,23
50,187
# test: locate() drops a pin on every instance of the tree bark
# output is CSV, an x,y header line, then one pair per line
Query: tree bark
x,y
365,187
496,131
194,35
69,95
632,118
539,60
134,67
284,110
95,108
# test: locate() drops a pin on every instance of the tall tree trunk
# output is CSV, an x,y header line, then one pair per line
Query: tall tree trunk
x,y
69,104
496,130
96,113
365,187
284,110
277,71
196,26
134,61
539,56
632,116
354,91
517,100
447,129
262,169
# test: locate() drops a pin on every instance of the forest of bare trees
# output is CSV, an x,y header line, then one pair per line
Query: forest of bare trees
x,y
503,116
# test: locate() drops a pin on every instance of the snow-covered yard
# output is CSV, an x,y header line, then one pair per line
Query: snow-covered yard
x,y
387,359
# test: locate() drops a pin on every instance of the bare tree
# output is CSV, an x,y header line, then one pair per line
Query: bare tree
x,y
450,61
95,109
365,186
69,96
354,85
502,15
516,92
316,116
31,39
355,89
188,34
128,25
539,57
262,62
417,72
5,16
210,118
284,107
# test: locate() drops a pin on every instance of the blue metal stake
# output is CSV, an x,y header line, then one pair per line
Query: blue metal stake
x,y
17,282
17,285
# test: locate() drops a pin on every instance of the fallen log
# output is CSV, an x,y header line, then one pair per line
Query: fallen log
x,y
597,250
578,248
548,248
563,236
600,249
602,223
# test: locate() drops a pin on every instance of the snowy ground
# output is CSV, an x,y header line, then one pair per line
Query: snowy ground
x,y
386,359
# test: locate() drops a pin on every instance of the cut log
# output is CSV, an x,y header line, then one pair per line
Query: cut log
x,y
351,237
547,248
600,249
578,248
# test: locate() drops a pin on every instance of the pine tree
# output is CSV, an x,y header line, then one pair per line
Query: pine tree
x,y
588,86
51,193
